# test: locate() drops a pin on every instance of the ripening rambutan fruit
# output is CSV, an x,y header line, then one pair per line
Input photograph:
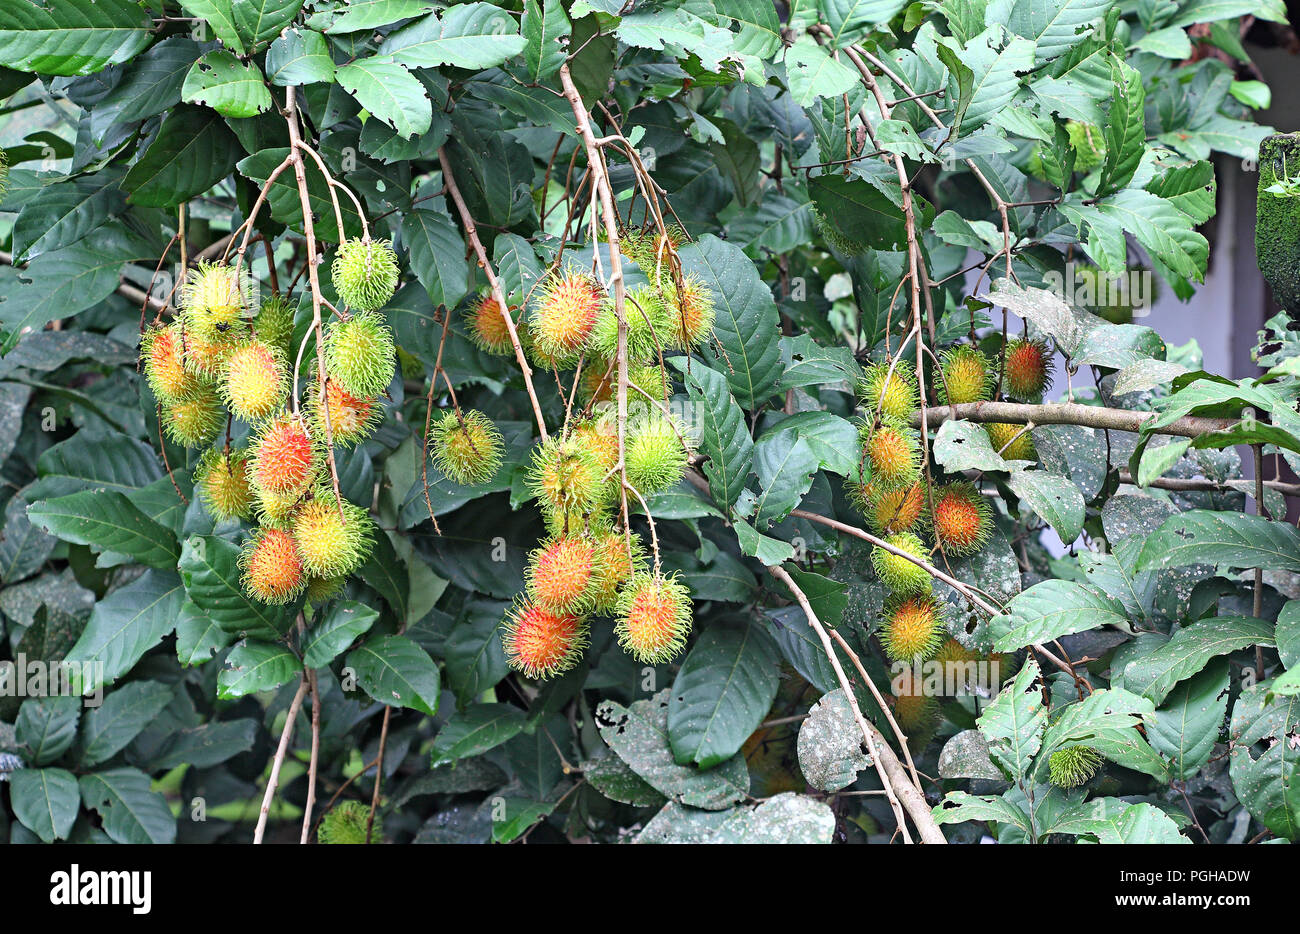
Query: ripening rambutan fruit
x,y
351,418
359,354
272,567
600,436
891,450
654,456
466,447
566,477
163,355
915,711
207,358
1073,766
888,510
274,324
913,628
284,456
274,510
902,576
255,381
562,573
619,557
321,589
487,327
893,395
364,273
222,482
691,310
565,313
653,617
196,418
540,643
1028,370
332,541
960,518
967,376
346,823
1013,442
214,301
951,651
649,326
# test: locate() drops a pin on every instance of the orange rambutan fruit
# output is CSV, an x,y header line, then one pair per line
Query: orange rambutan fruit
x,y
563,572
351,418
272,568
255,383
913,627
541,643
914,710
691,310
890,449
887,510
1028,369
960,518
207,358
163,354
565,313
653,617
284,457
618,557
487,327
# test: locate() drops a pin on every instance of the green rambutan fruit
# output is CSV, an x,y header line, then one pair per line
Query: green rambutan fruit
x,y
913,629
900,575
222,481
255,381
653,617
541,643
466,448
891,395
284,457
271,566
565,313
346,823
359,354
1073,766
563,573
196,418
323,589
162,353
1028,370
364,273
566,477
1013,442
654,456
968,376
487,327
351,418
835,238
649,326
215,300
332,541
892,452
691,309
274,324
960,519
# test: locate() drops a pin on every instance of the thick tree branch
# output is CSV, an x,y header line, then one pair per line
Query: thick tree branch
x,y
1073,413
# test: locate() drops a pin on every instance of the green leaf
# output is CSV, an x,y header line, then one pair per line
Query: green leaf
x,y
123,715
469,35
475,730
220,16
1125,132
300,56
256,666
850,20
678,30
1056,25
1013,723
611,776
1234,539
830,744
1161,228
996,66
1189,649
1108,721
63,213
1051,609
959,806
961,445
131,812
859,211
46,726
760,30
258,21
286,206
1186,726
127,623
391,94
1288,633
1208,11
436,253
71,37
118,463
341,625
543,26
1054,498
724,436
1140,823
722,692
227,85
1264,762
45,801
395,671
209,566
360,15
106,521
194,149
475,659
813,74
785,466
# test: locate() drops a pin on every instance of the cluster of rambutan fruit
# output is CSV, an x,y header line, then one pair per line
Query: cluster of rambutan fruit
x,y
223,358
904,510
590,564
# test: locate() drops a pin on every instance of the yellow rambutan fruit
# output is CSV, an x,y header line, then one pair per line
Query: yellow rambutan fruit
x,y
565,313
321,589
222,482
913,628
1028,370
272,567
891,451
566,477
600,435
207,358
887,510
284,457
334,537
892,395
255,381
563,572
691,310
540,643
960,518
467,447
162,352
196,418
351,418
902,576
487,327
967,376
1013,442
215,300
618,558
275,509
653,617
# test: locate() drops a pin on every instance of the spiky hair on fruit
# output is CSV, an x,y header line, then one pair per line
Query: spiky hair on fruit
x,y
967,375
351,418
1028,370
274,323
915,710
887,510
275,509
321,589
563,573
272,568
222,482
207,358
959,518
567,478
891,451
565,312
837,240
467,447
162,352
347,823
255,381
215,299
1013,442
903,577
195,418
487,327
364,273
600,436
893,395
359,354
649,326
691,309
1073,766
654,456
914,627
284,457
620,557
334,537
653,617
540,643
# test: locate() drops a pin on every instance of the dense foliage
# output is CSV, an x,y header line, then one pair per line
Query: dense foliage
x,y
594,420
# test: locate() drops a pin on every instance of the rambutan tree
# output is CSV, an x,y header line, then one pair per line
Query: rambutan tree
x,y
714,420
